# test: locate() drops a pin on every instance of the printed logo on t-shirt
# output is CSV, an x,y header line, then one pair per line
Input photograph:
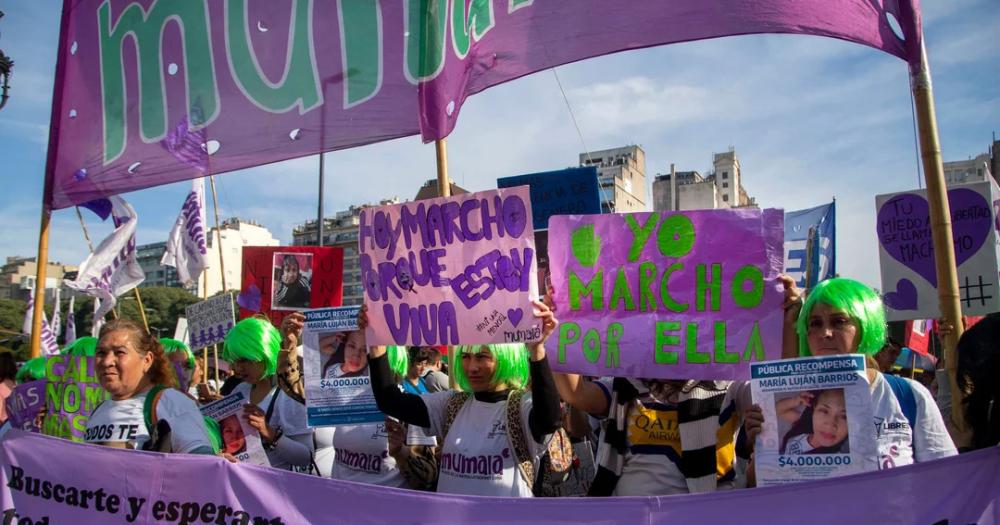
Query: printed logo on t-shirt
x,y
891,427
111,432
371,463
499,429
483,467
380,431
654,427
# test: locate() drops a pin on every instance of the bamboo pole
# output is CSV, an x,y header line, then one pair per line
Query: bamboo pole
x,y
42,261
944,252
142,311
218,234
444,185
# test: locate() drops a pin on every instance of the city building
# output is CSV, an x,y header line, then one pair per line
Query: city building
x,y
722,188
236,233
17,278
430,190
341,231
977,169
621,173
149,256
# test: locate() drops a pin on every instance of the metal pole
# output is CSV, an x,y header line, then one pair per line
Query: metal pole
x,y
944,253
444,185
319,211
218,234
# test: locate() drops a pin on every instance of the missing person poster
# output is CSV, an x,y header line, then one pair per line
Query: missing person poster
x,y
817,419
338,389
238,437
279,280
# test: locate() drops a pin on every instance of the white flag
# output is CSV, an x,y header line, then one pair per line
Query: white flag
x,y
186,248
49,344
98,320
71,322
56,317
26,325
112,269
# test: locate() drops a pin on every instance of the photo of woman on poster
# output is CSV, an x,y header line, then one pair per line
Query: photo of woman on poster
x,y
233,439
350,359
818,420
292,284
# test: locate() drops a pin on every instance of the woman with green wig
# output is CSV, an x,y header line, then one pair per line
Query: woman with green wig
x,y
82,346
481,454
182,359
252,347
842,316
32,370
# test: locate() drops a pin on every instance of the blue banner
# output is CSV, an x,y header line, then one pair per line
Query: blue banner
x,y
572,191
819,224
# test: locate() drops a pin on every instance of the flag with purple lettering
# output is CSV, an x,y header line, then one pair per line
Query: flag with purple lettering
x,y
186,248
49,344
112,269
70,322
676,295
56,323
451,270
98,320
26,323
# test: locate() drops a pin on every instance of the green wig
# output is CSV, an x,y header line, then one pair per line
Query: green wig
x,y
32,370
214,434
511,360
83,347
861,304
399,359
253,339
173,345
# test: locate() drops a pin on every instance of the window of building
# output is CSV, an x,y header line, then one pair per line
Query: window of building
x,y
725,174
725,184
725,198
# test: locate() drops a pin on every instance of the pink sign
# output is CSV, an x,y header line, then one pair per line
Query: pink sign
x,y
452,270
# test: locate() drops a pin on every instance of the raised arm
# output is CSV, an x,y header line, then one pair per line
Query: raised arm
x,y
546,415
289,373
792,305
405,407
582,394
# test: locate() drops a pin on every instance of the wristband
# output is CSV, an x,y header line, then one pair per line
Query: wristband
x,y
273,444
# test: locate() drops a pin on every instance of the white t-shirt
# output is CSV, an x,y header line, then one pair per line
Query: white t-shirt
x,y
798,445
122,422
897,445
362,455
476,456
288,415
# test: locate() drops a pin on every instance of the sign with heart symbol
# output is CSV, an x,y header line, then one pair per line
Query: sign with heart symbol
x,y
906,248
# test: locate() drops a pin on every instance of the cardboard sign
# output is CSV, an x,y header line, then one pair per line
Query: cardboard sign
x,y
209,321
450,271
335,363
572,191
72,392
238,437
316,272
906,251
24,403
674,295
817,419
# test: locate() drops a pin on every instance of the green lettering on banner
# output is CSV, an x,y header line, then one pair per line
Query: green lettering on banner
x,y
754,345
360,49
713,287
665,297
721,355
594,289
676,236
93,396
661,356
147,28
514,5
592,345
568,333
72,398
639,235
615,332
586,245
479,20
299,84
621,292
752,298
426,28
54,396
647,274
691,353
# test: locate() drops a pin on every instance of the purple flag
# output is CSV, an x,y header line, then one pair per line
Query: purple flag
x,y
228,85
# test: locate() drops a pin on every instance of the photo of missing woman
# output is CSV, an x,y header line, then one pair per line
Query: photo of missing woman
x,y
343,354
233,439
812,422
291,288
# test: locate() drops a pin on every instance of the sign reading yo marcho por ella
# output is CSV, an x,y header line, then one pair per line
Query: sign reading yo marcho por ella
x,y
680,295
451,270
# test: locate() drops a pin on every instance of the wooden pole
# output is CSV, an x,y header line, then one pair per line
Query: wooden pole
x,y
218,234
444,185
215,355
42,261
142,311
944,252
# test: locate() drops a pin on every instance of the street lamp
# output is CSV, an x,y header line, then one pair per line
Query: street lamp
x,y
6,68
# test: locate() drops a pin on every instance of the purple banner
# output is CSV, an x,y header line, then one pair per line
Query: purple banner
x,y
687,295
72,392
449,271
148,93
24,403
958,490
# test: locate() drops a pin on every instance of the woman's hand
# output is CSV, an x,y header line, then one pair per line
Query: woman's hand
x,y
395,436
549,323
255,417
792,305
291,329
753,423
228,457
373,351
793,295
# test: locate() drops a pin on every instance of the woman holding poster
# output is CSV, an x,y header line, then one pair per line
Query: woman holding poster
x,y
842,316
493,433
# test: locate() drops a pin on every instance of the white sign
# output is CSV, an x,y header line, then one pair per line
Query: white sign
x,y
209,321
238,437
817,419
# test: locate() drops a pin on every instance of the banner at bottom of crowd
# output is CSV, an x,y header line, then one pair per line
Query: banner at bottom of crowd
x,y
89,484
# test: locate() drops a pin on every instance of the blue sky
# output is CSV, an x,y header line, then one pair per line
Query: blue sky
x,y
811,118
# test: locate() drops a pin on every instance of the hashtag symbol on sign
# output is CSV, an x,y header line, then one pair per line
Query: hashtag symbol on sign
x,y
967,291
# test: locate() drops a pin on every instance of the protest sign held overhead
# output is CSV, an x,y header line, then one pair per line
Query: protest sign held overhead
x,y
278,280
906,251
684,295
72,392
572,191
209,321
451,270
817,419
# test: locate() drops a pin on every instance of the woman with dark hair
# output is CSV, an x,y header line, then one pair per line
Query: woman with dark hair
x,y
8,373
354,357
293,289
978,368
819,428
145,410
